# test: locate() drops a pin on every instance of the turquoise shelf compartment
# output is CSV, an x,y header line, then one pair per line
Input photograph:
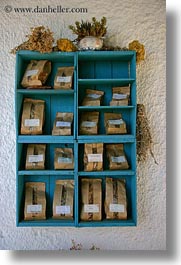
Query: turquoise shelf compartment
x,y
99,70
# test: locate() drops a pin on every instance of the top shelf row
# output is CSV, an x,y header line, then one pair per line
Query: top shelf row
x,y
84,68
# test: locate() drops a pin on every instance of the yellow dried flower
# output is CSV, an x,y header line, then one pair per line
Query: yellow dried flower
x,y
65,45
139,48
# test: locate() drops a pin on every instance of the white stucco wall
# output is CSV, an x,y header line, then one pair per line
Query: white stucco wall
x,y
127,20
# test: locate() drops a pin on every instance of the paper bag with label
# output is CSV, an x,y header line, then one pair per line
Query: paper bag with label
x,y
63,124
36,73
115,201
63,199
33,116
91,199
64,158
35,157
35,201
64,77
93,97
114,124
89,123
93,157
120,96
116,157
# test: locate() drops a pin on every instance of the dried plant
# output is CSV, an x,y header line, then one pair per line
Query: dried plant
x,y
40,39
94,28
114,48
94,247
75,246
78,246
143,135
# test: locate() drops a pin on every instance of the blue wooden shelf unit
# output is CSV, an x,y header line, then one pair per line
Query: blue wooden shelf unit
x,y
101,70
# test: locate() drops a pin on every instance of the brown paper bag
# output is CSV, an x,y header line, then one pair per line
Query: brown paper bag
x,y
64,77
63,124
120,96
89,123
33,116
114,124
63,199
116,157
91,199
115,200
93,97
93,157
64,158
36,73
35,201
35,157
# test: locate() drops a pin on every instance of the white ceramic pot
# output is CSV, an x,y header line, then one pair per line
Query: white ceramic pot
x,y
90,43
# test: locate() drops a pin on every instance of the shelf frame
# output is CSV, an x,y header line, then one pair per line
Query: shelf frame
x,y
77,59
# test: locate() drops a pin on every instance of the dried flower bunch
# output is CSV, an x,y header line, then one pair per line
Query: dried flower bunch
x,y
41,39
143,135
139,48
95,28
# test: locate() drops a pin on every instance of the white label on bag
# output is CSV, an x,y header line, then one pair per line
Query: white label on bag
x,y
62,209
64,79
91,208
31,72
37,208
115,122
118,159
95,158
88,124
119,208
65,160
93,95
119,96
63,124
32,122
35,158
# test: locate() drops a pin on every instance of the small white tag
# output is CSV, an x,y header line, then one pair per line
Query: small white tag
x,y
88,124
37,208
119,96
32,122
115,122
64,79
62,209
65,160
118,159
91,208
31,72
95,158
93,96
119,208
63,124
35,158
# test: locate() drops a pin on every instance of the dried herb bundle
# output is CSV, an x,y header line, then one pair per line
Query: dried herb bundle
x,y
95,28
40,39
143,135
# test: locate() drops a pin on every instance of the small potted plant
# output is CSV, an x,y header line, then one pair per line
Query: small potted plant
x,y
90,34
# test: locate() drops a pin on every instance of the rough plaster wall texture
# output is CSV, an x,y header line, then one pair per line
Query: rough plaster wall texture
x,y
127,20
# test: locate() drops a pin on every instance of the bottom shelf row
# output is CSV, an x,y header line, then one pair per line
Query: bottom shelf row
x,y
97,200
